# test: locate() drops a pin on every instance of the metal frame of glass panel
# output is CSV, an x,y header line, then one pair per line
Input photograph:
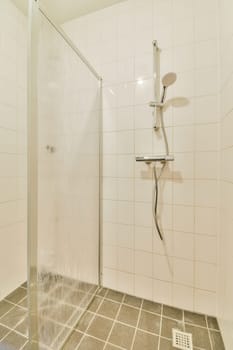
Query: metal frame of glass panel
x,y
33,40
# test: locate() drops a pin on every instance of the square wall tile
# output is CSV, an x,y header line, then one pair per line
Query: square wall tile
x,y
125,212
206,220
125,142
206,193
143,142
183,272
183,192
183,297
143,190
143,287
183,139
207,110
143,263
163,268
125,236
125,259
143,214
143,238
205,276
206,137
162,292
183,218
205,302
125,166
206,249
125,282
125,189
183,245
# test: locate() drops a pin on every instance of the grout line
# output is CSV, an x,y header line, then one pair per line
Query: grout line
x,y
160,330
183,322
114,322
23,345
211,345
136,328
90,322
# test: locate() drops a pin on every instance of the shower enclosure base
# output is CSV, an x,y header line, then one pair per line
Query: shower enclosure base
x,y
113,321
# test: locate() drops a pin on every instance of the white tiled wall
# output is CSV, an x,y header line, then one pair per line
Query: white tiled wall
x,y
13,51
118,41
226,232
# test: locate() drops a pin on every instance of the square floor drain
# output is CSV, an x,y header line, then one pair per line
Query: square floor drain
x,y
182,340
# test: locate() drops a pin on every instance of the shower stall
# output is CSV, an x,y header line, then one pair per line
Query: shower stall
x,y
116,212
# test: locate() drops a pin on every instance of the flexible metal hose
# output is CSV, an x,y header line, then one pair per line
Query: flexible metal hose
x,y
164,132
155,199
156,178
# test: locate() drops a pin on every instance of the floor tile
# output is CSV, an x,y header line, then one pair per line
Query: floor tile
x,y
145,341
113,295
24,285
26,347
75,298
73,341
60,292
149,322
61,313
111,347
166,344
109,309
84,321
200,336
23,327
151,306
3,331
17,295
24,303
168,325
5,307
212,323
95,304
122,335
128,315
132,301
13,341
87,287
100,327
197,319
102,292
89,343
13,317
216,340
47,331
172,312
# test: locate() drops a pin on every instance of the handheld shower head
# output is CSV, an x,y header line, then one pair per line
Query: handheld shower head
x,y
167,80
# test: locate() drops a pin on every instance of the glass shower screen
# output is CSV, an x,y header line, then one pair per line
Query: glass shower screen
x,y
66,245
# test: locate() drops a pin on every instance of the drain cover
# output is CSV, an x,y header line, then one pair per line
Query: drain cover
x,y
182,340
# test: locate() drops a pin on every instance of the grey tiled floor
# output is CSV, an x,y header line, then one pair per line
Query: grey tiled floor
x,y
118,321
114,321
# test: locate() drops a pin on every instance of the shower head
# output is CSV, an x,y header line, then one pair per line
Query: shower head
x,y
167,80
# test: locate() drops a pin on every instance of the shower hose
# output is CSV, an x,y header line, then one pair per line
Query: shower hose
x,y
157,177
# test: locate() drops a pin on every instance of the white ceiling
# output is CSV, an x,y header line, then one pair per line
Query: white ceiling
x,y
65,10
